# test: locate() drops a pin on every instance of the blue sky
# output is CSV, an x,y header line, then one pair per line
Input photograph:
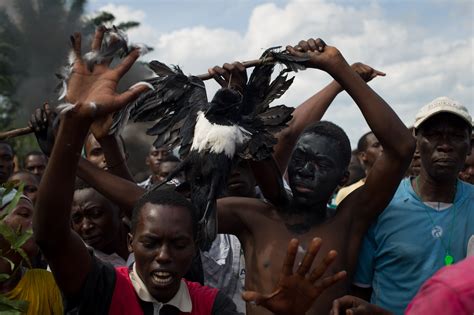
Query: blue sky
x,y
425,47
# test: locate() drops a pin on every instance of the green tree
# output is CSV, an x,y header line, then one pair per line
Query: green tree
x,y
33,47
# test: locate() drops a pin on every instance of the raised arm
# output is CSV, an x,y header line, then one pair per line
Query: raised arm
x,y
119,190
116,188
395,138
91,95
114,151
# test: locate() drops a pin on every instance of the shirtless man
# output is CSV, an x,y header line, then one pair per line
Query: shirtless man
x,y
316,167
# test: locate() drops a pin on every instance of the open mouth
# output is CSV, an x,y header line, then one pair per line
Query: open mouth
x,y
303,189
162,278
92,240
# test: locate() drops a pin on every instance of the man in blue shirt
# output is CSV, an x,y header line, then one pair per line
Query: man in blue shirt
x,y
430,221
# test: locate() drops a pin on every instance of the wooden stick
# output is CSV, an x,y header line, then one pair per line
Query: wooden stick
x,y
247,64
15,133
205,76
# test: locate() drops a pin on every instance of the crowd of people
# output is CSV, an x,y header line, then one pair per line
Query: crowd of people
x,y
385,228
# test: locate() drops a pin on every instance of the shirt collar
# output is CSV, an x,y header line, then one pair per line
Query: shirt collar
x,y
181,300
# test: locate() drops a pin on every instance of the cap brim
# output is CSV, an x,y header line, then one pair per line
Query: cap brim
x,y
441,111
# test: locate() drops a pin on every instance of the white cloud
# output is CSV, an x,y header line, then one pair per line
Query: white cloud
x,y
421,64
124,13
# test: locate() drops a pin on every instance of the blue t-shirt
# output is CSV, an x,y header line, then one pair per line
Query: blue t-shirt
x,y
403,248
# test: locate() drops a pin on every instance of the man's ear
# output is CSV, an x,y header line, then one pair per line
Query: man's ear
x,y
147,161
129,242
344,178
362,157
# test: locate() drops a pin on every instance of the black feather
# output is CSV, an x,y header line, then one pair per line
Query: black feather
x,y
174,106
160,68
294,63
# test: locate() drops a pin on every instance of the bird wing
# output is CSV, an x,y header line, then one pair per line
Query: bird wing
x,y
259,118
172,105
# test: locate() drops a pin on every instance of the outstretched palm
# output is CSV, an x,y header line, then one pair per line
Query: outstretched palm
x,y
296,292
98,85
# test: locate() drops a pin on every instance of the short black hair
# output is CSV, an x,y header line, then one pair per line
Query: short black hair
x,y
26,172
80,184
34,152
362,144
8,144
333,131
165,197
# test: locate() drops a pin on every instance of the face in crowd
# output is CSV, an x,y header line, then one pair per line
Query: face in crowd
x,y
163,242
155,157
36,163
316,168
415,165
369,150
443,142
94,152
467,174
6,162
241,182
95,219
356,170
20,219
30,181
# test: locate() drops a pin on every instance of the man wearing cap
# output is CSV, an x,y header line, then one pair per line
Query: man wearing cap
x,y
430,221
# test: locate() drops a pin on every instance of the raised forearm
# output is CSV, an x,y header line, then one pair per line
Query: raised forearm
x,y
115,157
269,180
387,127
122,192
51,221
310,111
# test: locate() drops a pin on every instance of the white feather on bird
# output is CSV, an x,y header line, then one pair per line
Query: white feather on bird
x,y
216,138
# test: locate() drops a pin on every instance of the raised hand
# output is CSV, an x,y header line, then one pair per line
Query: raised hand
x,y
230,75
296,292
94,91
41,122
351,305
366,72
321,56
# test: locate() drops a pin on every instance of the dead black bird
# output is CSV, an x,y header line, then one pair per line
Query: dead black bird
x,y
212,134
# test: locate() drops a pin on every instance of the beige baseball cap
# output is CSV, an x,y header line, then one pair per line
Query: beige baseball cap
x,y
442,105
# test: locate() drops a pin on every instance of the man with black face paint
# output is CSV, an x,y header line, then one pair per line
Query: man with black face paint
x,y
430,221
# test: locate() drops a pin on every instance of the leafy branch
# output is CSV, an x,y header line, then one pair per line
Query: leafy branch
x,y
16,239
